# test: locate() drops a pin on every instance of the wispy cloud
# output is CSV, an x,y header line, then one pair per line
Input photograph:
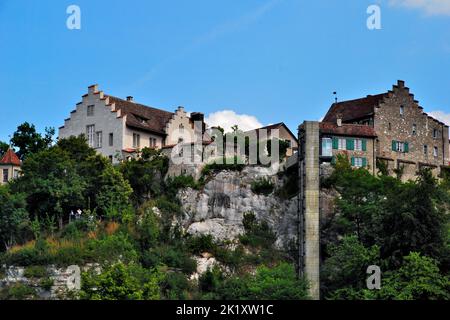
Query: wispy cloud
x,y
441,116
430,7
209,36
228,118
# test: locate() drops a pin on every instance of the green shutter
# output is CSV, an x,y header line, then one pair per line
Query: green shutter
x,y
394,145
406,147
364,162
335,143
353,161
364,145
350,144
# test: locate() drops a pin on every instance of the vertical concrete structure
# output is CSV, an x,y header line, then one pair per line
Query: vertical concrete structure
x,y
309,172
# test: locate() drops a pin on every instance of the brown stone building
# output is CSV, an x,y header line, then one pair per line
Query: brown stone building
x,y
355,141
407,138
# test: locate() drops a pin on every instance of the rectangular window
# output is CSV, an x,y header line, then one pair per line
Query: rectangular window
x,y
342,144
358,145
435,151
425,150
90,111
98,139
414,129
435,133
111,139
402,110
16,174
359,162
152,143
327,150
5,175
136,140
400,146
90,133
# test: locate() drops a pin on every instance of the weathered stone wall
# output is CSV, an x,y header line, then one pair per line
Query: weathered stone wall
x,y
391,125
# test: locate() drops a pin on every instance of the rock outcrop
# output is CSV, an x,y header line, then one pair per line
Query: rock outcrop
x,y
219,207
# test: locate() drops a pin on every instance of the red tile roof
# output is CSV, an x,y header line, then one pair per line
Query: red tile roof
x,y
141,116
354,109
10,158
354,130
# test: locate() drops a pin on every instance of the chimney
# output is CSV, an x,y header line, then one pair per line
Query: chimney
x,y
93,89
339,120
400,83
129,98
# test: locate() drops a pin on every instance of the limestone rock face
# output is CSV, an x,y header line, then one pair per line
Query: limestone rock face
x,y
218,208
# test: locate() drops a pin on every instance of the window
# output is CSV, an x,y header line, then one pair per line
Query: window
x,y
389,126
402,110
90,111
435,133
435,151
327,150
359,162
16,174
342,144
111,139
136,140
358,145
98,139
425,150
181,129
400,146
90,132
414,129
152,142
5,175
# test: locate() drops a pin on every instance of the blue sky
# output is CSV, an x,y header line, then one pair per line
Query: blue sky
x,y
273,60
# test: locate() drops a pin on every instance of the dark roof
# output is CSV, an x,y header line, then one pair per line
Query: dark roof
x,y
10,158
275,126
141,116
354,109
354,130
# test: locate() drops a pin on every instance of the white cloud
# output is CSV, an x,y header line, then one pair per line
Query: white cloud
x,y
431,7
228,118
441,116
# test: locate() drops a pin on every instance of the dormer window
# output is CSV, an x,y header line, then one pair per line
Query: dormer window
x,y
402,110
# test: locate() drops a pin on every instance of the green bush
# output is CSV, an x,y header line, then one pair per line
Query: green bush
x,y
233,164
175,286
35,272
46,283
262,186
172,257
113,248
202,243
257,234
21,291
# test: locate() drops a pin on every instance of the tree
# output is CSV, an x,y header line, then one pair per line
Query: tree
x,y
3,148
51,184
346,267
14,219
121,282
113,198
413,220
28,141
417,279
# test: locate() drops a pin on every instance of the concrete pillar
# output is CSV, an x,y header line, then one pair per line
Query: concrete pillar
x,y
311,207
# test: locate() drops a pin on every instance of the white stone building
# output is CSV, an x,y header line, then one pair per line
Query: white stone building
x,y
119,128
